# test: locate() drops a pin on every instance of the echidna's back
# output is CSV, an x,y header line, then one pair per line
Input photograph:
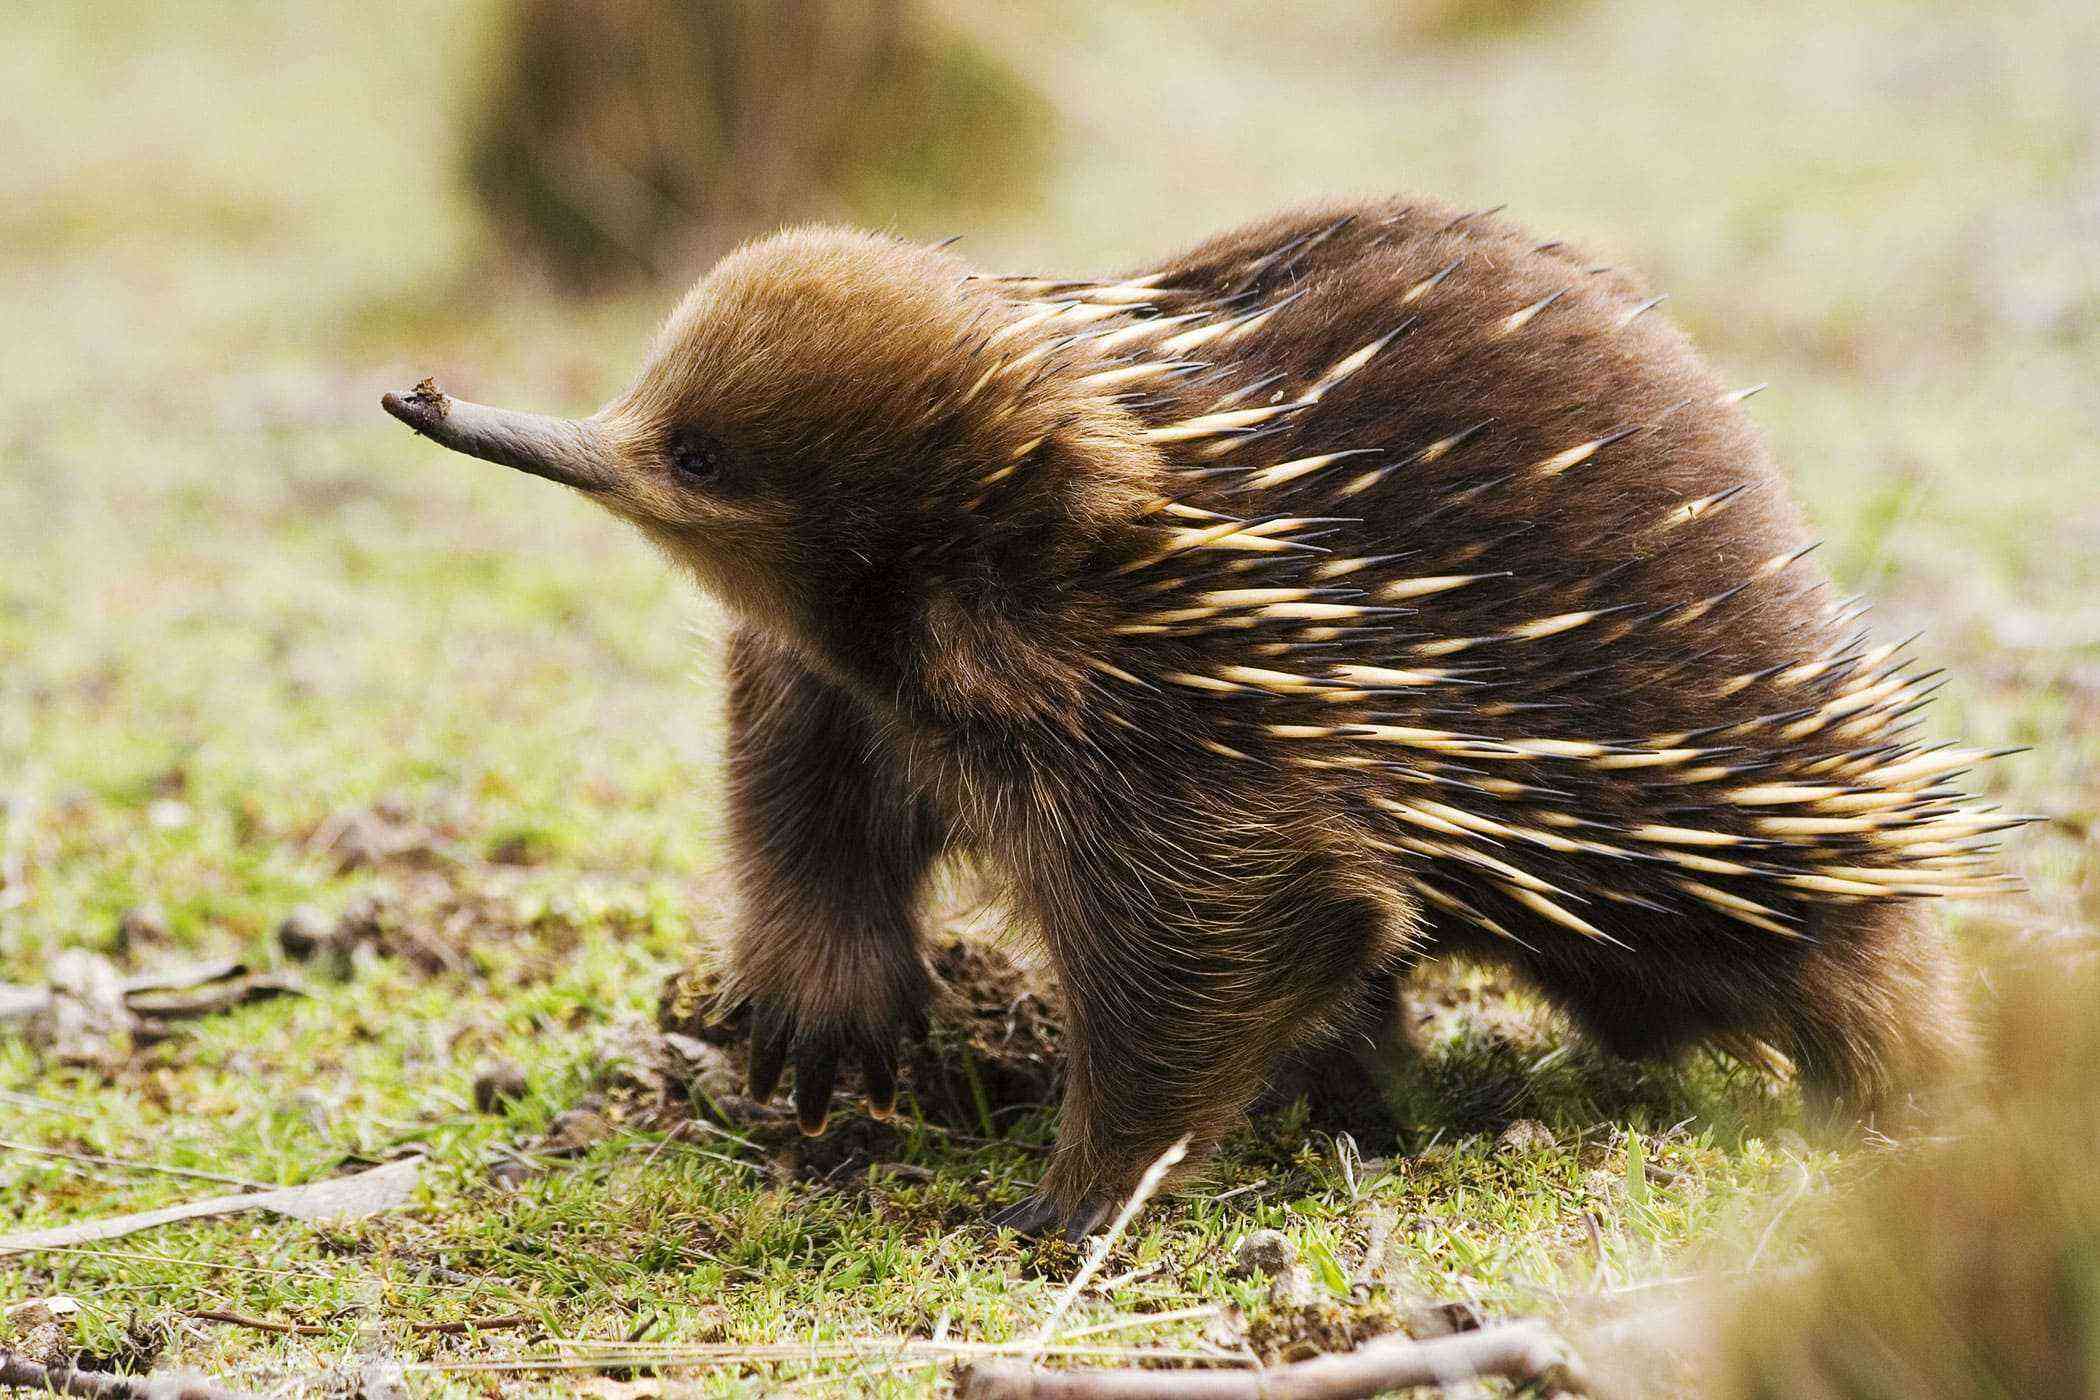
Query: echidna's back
x,y
1562,648
1532,363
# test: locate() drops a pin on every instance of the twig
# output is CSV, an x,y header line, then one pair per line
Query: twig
x,y
260,1324
1517,1351
17,1371
677,1131
1148,1184
178,1259
473,1324
311,1329
1240,1190
376,1189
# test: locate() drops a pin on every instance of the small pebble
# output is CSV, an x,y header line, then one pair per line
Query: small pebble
x,y
577,1127
1294,1288
497,1085
511,1173
1267,1253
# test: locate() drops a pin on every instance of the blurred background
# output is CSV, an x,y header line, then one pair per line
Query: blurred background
x,y
224,228
247,622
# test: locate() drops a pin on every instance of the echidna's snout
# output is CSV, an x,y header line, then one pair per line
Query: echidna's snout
x,y
574,452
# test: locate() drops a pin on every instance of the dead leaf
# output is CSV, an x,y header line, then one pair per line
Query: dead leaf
x,y
180,977
172,1005
92,1015
340,1198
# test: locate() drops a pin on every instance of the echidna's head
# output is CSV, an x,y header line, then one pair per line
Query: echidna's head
x,y
832,434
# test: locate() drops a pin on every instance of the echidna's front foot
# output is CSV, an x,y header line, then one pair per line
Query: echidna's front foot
x,y
1039,1216
817,1048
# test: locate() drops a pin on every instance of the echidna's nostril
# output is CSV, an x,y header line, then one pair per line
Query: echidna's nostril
x,y
420,407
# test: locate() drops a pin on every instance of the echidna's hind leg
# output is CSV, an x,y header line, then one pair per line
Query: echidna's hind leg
x,y
1344,1076
831,846
1176,1006
1875,1017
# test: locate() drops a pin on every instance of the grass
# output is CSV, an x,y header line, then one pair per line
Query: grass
x,y
237,605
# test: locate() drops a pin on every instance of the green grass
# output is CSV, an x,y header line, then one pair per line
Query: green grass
x,y
236,603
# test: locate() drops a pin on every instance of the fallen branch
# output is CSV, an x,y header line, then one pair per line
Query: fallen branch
x,y
17,1371
1516,1351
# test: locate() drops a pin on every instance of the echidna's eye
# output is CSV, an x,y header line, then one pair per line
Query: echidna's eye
x,y
694,455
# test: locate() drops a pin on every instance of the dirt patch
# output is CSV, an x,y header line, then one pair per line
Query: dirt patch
x,y
444,920
1299,1330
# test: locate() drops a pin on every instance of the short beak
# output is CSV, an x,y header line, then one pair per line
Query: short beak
x,y
574,452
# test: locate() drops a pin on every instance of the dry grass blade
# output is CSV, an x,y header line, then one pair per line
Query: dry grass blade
x,y
1148,1185
133,1164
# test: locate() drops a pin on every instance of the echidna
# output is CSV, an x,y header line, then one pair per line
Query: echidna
x,y
1365,582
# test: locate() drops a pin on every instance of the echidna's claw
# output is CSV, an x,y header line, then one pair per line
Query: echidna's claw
x,y
1039,1216
816,1053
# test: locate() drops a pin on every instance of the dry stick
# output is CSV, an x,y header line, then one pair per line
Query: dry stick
x,y
260,1324
17,1370
1147,1185
1128,1276
312,1329
473,1324
1517,1351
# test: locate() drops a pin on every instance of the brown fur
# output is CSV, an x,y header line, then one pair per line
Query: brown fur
x,y
949,540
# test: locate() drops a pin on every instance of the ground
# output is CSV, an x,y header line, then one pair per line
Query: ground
x,y
259,649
